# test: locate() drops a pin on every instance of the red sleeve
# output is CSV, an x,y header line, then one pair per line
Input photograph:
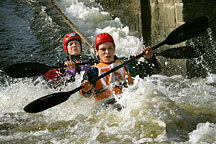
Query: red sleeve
x,y
54,75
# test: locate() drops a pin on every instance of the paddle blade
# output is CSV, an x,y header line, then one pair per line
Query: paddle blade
x,y
46,102
27,69
49,101
184,52
188,30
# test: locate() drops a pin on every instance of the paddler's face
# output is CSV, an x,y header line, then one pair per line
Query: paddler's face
x,y
106,52
74,47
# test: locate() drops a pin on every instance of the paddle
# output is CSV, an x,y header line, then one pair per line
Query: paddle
x,y
184,52
182,33
29,69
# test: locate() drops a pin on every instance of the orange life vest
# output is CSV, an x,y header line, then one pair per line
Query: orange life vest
x,y
106,85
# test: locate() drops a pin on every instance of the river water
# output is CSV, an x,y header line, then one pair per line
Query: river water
x,y
158,109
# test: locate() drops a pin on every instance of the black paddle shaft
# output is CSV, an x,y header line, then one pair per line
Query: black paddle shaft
x,y
182,33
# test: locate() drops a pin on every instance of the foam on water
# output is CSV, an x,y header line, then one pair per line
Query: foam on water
x,y
156,109
204,133
149,114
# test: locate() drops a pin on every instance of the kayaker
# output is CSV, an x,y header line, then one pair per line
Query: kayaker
x,y
72,44
114,82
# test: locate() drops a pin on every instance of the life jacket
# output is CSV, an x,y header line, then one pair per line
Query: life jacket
x,y
108,85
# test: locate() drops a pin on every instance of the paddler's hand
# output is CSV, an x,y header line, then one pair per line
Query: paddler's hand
x,y
136,54
69,64
87,86
148,52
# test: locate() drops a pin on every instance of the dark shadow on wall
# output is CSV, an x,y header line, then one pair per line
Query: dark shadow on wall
x,y
200,67
146,21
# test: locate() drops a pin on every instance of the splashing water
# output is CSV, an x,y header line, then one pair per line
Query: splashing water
x,y
157,109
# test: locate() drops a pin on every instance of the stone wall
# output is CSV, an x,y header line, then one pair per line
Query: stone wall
x,y
167,16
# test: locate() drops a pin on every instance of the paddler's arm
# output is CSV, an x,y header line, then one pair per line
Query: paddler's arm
x,y
155,65
147,68
90,74
152,60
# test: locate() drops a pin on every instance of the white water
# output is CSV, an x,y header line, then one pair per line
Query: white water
x,y
157,109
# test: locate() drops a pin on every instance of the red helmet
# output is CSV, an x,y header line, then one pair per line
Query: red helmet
x,y
102,38
71,36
